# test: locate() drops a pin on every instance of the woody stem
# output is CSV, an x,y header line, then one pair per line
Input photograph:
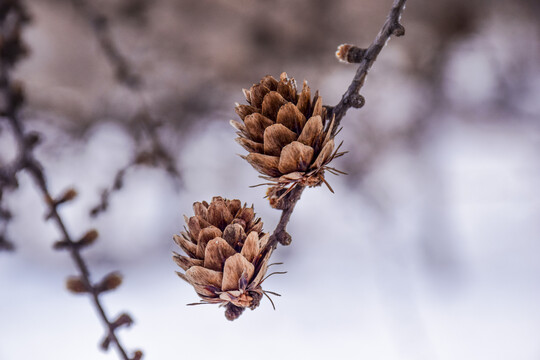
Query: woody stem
x,y
280,233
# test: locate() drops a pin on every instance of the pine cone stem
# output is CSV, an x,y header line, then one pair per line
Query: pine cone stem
x,y
280,233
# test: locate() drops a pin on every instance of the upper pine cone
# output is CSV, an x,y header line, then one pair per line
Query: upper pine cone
x,y
226,256
286,133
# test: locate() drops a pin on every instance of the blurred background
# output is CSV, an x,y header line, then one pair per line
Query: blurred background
x,y
427,250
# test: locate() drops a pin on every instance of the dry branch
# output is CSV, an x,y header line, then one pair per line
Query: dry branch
x,y
351,98
366,58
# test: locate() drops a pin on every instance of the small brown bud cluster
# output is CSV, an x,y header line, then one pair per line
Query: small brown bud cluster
x,y
287,134
226,255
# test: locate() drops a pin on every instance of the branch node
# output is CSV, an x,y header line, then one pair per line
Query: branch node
x,y
357,101
398,29
284,238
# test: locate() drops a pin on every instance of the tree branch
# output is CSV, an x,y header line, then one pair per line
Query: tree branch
x,y
12,18
157,154
351,98
366,58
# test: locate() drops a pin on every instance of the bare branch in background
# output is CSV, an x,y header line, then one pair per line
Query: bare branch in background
x,y
100,26
156,154
5,217
13,16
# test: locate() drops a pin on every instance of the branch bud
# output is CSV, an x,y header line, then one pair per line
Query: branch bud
x,y
88,239
109,282
351,54
284,238
398,30
357,101
105,343
76,285
61,245
122,320
68,195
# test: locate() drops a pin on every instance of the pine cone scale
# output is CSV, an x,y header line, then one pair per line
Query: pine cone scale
x,y
265,164
295,156
216,252
291,117
202,276
276,137
271,104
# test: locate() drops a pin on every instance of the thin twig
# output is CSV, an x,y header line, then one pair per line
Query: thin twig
x,y
156,155
11,100
280,233
100,25
352,98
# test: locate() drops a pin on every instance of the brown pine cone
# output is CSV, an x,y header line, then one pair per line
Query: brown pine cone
x,y
287,134
226,255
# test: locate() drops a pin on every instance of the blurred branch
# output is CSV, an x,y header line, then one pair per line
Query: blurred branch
x,y
100,25
366,58
5,217
157,154
12,17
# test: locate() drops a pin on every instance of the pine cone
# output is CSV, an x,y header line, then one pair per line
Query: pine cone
x,y
226,255
287,135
